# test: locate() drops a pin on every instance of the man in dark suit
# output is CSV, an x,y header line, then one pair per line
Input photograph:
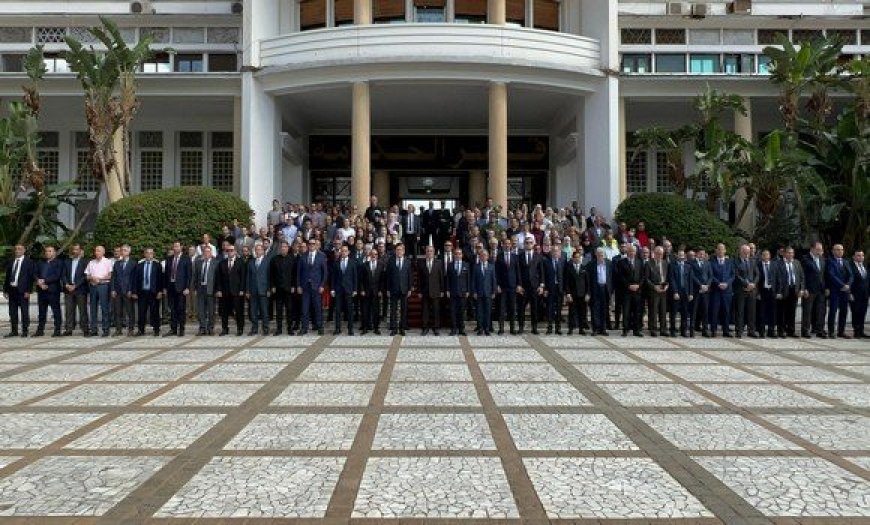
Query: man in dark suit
x,y
702,281
656,273
458,289
122,287
484,286
20,272
601,274
411,231
398,276
531,283
280,271
430,281
371,284
507,273
231,290
343,286
680,289
860,291
839,281
147,291
177,281
205,284
312,275
745,293
722,293
768,288
813,305
631,274
257,290
554,287
48,277
576,292
791,279
75,289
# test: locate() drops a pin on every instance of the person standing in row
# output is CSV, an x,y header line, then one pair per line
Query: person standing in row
x,y
458,289
484,287
745,293
371,279
343,286
177,279
431,281
148,291
257,290
860,291
75,289
205,283
399,287
577,294
231,290
839,281
124,311
17,287
99,272
312,276
48,279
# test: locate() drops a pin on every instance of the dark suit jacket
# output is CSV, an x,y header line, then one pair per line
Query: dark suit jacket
x,y
399,281
282,272
156,277
458,284
183,273
836,277
210,278
531,274
815,277
258,278
782,276
653,276
701,275
344,282
371,282
122,276
312,274
430,283
722,273
860,287
745,274
773,276
508,276
630,273
681,283
50,272
26,276
592,273
231,282
576,282
80,280
554,277
484,281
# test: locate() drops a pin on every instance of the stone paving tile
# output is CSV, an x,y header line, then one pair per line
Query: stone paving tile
x,y
375,355
10,366
715,432
631,343
573,342
428,341
14,393
206,394
802,373
834,432
537,394
33,430
792,486
594,356
29,355
291,487
325,394
608,372
59,372
433,432
341,372
696,373
762,396
213,342
434,487
702,343
8,460
566,432
109,356
363,340
240,372
672,356
430,355
15,342
100,394
266,355
855,395
432,394
277,342
619,488
497,341
832,357
190,355
430,372
857,369
861,461
655,395
785,344
69,342
78,486
507,355
144,372
520,372
148,431
160,342
842,344
298,432
752,357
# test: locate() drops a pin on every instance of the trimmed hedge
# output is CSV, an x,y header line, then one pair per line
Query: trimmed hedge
x,y
158,218
679,219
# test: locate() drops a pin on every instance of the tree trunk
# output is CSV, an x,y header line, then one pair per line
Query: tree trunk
x,y
115,185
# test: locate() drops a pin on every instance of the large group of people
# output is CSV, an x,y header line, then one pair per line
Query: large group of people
x,y
525,270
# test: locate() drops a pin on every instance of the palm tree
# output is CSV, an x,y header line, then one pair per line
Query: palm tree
x,y
109,82
671,143
718,149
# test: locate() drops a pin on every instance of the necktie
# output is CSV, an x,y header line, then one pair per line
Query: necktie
x,y
507,258
484,268
72,272
15,268
147,275
790,275
311,259
232,260
258,263
429,265
372,266
766,276
174,268
205,274
528,259
457,267
343,265
400,265
861,270
661,271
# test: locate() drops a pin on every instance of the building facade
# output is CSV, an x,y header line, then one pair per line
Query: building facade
x,y
414,100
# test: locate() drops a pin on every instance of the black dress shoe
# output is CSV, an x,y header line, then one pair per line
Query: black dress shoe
x,y
39,333
424,331
435,333
392,333
336,332
320,331
402,332
224,332
462,333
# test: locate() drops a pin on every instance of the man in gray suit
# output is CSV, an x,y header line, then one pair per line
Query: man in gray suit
x,y
656,273
745,293
258,290
204,271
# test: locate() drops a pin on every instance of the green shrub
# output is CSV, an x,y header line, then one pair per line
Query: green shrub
x,y
679,219
157,218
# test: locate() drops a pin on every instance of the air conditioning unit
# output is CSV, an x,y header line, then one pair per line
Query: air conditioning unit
x,y
237,8
699,10
675,8
141,7
740,7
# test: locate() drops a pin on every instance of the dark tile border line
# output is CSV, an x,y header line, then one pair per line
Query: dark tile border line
x,y
73,352
836,368
719,499
147,498
341,504
526,499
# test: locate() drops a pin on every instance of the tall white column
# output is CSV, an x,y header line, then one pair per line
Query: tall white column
x,y
361,146
237,145
261,150
498,149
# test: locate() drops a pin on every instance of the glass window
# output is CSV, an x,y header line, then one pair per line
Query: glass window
x,y
469,11
739,63
222,62
150,170
429,11
49,160
805,35
343,12
188,35
191,168
190,139
159,35
55,63
16,35
13,62
670,63
636,63
664,183
738,37
635,172
84,174
848,37
705,37
670,36
312,14
546,14
768,37
223,35
634,35
865,37
222,160
763,65
388,11
158,63
188,63
515,12
704,64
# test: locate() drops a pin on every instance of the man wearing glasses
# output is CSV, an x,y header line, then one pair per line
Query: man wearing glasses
x,y
311,271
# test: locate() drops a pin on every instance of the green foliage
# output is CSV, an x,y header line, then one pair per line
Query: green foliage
x,y
679,219
102,70
34,220
157,218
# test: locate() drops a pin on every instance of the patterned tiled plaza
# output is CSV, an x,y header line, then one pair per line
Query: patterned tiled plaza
x,y
499,430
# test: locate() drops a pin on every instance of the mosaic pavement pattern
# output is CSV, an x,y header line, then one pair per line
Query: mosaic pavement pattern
x,y
507,430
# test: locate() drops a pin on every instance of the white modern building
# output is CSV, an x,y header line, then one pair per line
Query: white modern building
x,y
456,100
